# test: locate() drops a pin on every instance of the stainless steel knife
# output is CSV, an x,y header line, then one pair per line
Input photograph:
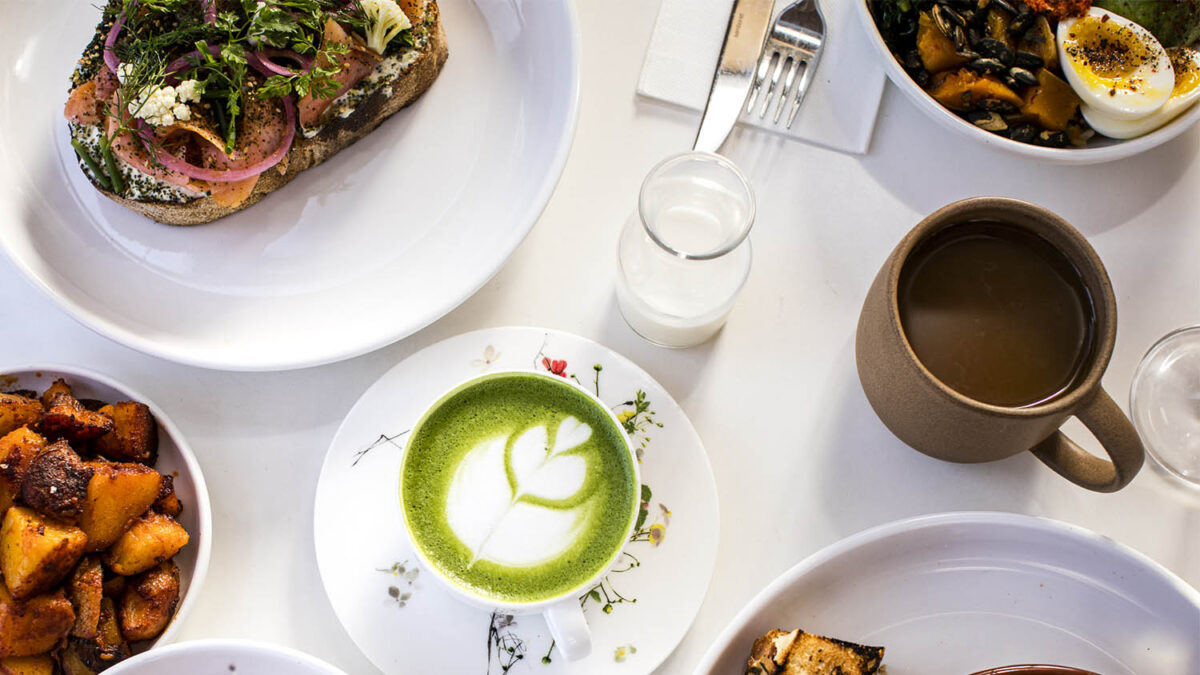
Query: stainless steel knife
x,y
748,25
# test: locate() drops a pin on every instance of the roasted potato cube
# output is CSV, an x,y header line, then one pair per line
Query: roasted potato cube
x,y
17,450
67,418
36,552
151,539
115,586
168,502
17,411
116,494
34,626
58,388
148,602
56,483
69,661
86,656
42,664
134,437
85,590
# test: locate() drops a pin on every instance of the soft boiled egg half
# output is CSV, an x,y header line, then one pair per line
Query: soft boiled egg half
x,y
1117,67
1186,63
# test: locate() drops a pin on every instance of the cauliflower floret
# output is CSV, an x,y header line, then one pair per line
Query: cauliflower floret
x,y
385,20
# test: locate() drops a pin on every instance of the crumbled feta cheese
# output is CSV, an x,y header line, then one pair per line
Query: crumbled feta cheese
x,y
124,71
162,106
188,91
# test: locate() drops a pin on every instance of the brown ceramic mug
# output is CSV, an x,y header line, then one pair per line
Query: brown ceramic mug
x,y
941,422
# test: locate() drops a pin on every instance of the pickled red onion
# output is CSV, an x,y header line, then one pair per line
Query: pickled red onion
x,y
110,54
265,55
229,175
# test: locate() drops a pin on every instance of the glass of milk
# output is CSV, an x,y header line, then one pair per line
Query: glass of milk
x,y
684,254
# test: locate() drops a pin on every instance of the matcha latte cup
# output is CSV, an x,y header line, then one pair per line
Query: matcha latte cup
x,y
519,491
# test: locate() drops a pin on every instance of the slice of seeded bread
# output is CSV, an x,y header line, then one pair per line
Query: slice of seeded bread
x,y
337,134
800,653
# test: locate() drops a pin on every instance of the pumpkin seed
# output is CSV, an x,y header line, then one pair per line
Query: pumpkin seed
x,y
994,49
968,15
920,76
998,106
968,54
1005,5
1028,61
1052,139
1023,76
973,35
912,59
960,38
988,121
950,16
944,25
1010,82
986,66
1024,133
1021,22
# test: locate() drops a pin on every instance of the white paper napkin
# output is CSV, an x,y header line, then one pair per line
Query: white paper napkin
x,y
839,110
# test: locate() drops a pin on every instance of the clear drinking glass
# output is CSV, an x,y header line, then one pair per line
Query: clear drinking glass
x,y
1164,402
684,255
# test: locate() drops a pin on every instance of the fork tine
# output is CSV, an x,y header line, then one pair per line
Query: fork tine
x,y
777,69
764,63
801,88
792,65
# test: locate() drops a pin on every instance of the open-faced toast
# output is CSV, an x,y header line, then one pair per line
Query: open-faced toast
x,y
168,166
799,653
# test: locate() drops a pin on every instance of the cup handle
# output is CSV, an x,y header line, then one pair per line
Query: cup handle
x,y
1117,436
569,629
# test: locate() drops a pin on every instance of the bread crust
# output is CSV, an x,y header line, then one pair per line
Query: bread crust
x,y
337,135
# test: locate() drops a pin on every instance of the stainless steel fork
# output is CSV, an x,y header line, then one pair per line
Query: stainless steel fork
x,y
789,58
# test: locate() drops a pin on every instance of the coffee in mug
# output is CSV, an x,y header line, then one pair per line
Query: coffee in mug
x,y
988,326
520,490
997,313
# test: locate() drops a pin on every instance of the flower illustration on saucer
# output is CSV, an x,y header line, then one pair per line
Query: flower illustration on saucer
x,y
623,652
555,366
490,356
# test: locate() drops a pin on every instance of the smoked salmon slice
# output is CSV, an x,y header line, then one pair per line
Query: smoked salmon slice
x,y
356,64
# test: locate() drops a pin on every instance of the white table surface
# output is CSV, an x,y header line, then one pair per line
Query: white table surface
x,y
799,457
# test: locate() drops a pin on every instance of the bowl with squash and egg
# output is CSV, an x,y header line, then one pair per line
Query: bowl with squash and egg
x,y
1063,81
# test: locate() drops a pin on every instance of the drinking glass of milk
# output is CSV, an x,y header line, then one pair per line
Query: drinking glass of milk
x,y
684,255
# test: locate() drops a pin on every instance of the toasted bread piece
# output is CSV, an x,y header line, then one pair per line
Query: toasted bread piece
x,y
338,134
800,653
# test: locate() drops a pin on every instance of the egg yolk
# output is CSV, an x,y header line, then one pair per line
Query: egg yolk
x,y
1187,73
1109,53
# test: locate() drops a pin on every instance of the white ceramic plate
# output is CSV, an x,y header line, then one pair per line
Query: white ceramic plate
x,y
223,657
961,592
1100,149
407,623
175,458
376,243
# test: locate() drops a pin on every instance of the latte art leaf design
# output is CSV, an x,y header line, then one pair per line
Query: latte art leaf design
x,y
522,500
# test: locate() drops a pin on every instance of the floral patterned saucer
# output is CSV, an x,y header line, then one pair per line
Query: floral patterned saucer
x,y
406,623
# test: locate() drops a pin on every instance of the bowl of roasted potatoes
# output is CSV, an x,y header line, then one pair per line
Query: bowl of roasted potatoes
x,y
104,522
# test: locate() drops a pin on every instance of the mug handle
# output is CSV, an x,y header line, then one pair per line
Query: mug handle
x,y
1116,434
569,629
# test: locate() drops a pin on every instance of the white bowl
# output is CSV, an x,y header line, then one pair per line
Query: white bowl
x,y
206,657
1100,149
175,458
